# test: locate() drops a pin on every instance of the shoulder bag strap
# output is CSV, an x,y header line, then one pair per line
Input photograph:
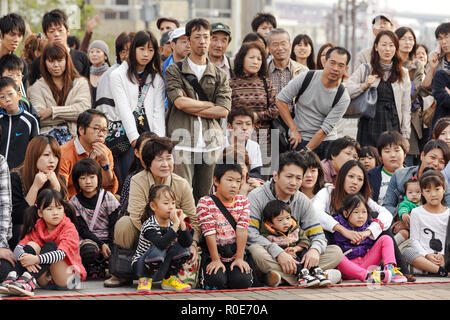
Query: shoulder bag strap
x,y
224,211
305,84
193,81
339,93
267,91
97,210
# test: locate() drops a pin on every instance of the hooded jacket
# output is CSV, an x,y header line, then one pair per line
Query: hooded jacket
x,y
302,211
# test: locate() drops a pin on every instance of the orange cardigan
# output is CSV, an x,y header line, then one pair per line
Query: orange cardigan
x,y
69,157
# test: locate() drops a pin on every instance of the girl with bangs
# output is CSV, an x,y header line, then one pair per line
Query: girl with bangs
x,y
60,95
303,51
393,107
352,179
313,177
48,253
40,170
428,227
138,91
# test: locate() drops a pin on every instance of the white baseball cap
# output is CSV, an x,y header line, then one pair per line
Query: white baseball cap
x,y
176,33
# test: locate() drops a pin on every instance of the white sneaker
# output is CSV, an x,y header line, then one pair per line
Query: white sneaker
x,y
334,275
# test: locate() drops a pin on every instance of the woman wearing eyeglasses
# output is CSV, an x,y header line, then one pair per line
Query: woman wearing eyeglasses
x,y
60,95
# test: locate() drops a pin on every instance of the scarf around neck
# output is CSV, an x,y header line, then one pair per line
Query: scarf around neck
x,y
386,70
99,70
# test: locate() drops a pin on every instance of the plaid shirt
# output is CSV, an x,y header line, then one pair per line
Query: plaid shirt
x,y
280,78
5,204
109,204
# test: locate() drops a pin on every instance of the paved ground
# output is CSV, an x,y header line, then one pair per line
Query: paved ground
x,y
426,288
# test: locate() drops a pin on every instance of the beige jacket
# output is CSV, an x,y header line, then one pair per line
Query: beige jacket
x,y
139,191
78,100
402,96
296,68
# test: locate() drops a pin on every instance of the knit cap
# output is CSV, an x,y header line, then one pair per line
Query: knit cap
x,y
100,44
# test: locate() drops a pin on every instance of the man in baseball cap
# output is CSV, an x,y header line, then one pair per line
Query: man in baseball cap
x,y
164,45
165,24
379,23
220,39
180,46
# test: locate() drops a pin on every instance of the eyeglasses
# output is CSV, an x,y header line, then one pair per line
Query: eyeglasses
x,y
98,130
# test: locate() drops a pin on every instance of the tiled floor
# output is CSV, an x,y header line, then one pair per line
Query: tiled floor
x,y
428,288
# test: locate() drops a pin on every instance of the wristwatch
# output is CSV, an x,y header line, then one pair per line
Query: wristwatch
x,y
106,167
305,148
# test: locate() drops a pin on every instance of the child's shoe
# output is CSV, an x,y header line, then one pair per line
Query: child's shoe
x,y
144,285
11,277
441,272
376,276
307,280
334,275
174,283
25,285
318,273
394,274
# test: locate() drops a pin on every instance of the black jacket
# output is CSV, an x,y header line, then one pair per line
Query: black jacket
x,y
17,131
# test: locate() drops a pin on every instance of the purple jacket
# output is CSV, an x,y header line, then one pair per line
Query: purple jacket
x,y
359,250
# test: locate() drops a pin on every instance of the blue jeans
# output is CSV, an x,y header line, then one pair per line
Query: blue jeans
x,y
149,263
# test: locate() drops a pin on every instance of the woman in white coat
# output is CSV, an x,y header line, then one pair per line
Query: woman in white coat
x,y
352,178
393,108
137,82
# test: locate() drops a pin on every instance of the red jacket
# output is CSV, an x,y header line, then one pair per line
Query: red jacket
x,y
65,235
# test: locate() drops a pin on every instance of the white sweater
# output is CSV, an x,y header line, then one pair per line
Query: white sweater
x,y
125,94
321,203
422,219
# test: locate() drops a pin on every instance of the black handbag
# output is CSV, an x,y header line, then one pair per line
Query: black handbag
x,y
117,141
120,262
364,105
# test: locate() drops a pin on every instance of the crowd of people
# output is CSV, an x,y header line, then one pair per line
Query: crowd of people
x,y
182,165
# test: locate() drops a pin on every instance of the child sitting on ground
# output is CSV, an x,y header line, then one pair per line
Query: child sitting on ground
x,y
279,227
428,227
96,211
49,252
164,235
224,218
19,126
411,201
358,257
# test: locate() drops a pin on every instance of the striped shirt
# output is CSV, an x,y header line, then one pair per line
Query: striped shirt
x,y
212,221
152,234
44,258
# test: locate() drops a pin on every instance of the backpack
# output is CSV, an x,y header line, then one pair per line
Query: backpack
x,y
279,124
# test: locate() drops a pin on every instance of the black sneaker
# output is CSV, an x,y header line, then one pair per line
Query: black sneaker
x,y
319,274
307,280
